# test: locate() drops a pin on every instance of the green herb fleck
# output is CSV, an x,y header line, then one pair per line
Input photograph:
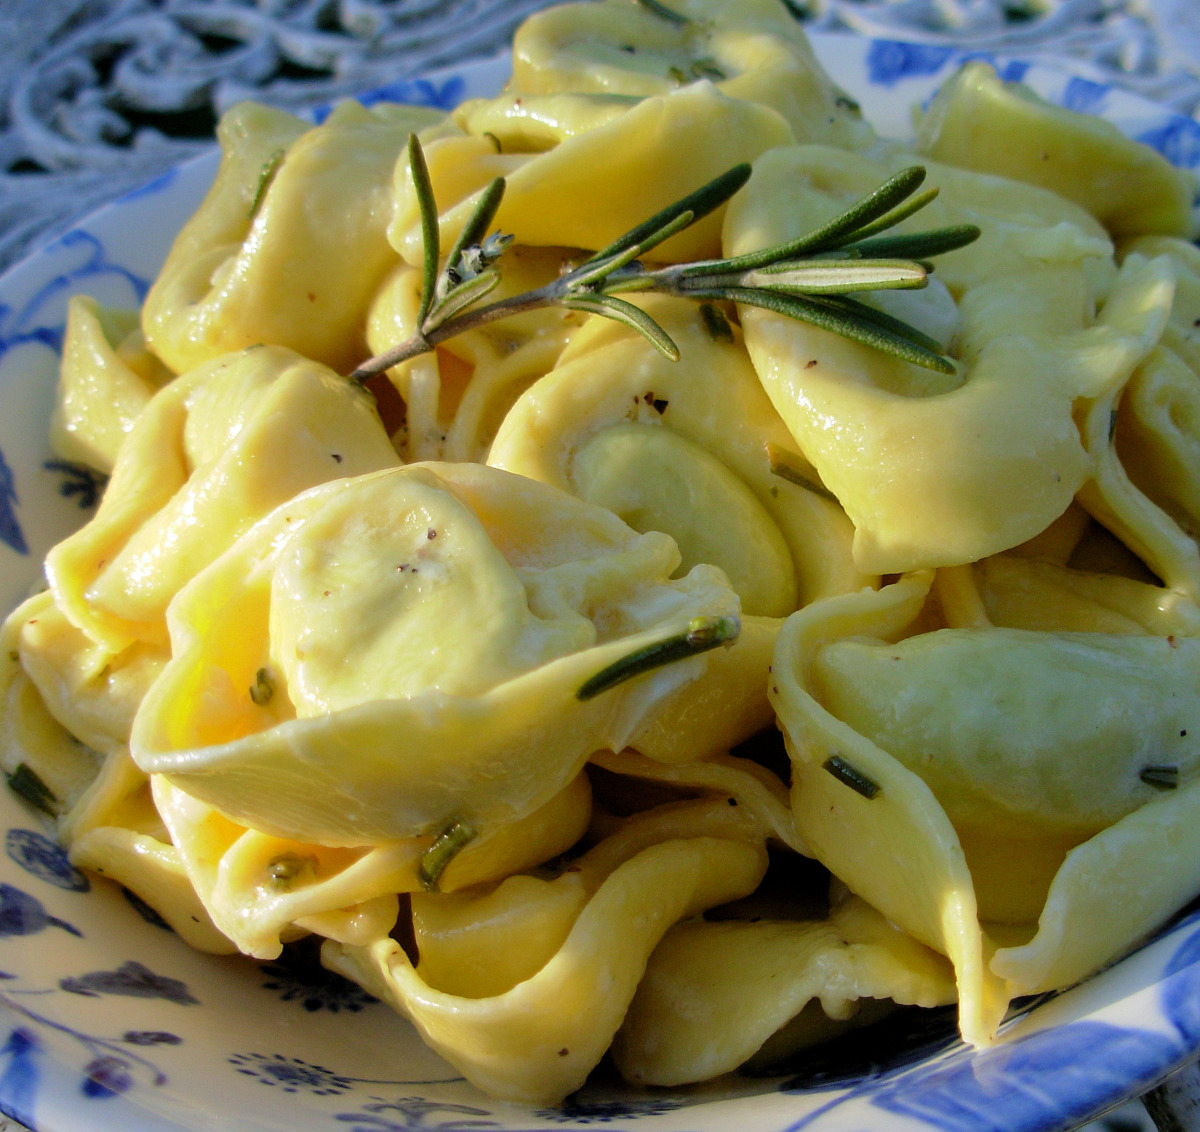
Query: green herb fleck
x,y
788,466
702,634
850,775
263,687
265,176
716,323
663,12
450,842
707,68
286,868
1160,776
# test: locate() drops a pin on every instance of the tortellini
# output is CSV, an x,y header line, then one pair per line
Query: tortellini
x,y
577,699
107,378
651,155
978,122
935,470
288,246
213,452
535,1040
462,610
1059,798
751,49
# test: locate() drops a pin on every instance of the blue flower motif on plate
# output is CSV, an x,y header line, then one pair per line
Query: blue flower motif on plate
x,y
10,528
1180,988
22,914
1084,96
890,61
132,980
45,859
414,1115
1177,138
297,976
19,1082
106,1077
445,94
80,480
291,1074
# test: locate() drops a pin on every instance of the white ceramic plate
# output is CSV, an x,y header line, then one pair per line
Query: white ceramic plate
x,y
109,1022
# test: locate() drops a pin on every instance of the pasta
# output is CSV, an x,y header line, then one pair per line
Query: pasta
x,y
695,694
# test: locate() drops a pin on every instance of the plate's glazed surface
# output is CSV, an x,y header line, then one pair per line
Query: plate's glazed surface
x,y
109,1022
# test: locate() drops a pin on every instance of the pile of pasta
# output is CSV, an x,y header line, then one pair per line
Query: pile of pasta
x,y
306,639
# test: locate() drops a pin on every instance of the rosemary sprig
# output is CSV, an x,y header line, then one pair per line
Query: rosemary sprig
x,y
702,634
810,278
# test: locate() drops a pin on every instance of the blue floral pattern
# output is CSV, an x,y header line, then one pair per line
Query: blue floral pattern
x,y
297,976
927,1078
45,859
10,529
294,1075
22,914
132,979
889,61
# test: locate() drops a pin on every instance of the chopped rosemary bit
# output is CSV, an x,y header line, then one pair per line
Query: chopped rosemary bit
x,y
289,866
450,842
716,323
788,466
850,775
1112,425
702,634
263,687
663,12
707,68
809,278
266,175
27,783
1160,776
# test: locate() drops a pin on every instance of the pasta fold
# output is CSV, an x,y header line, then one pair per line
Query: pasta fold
x,y
976,121
933,470
288,247
536,1041
891,813
538,593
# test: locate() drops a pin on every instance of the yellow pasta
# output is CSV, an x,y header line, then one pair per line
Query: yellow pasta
x,y
617,670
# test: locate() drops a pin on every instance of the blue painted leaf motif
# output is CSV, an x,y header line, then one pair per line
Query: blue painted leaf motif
x,y
106,1077
133,980
1013,71
575,1111
888,62
45,859
1052,1079
421,92
1180,987
80,480
21,914
19,1082
414,1114
10,529
151,1038
1084,96
1177,138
